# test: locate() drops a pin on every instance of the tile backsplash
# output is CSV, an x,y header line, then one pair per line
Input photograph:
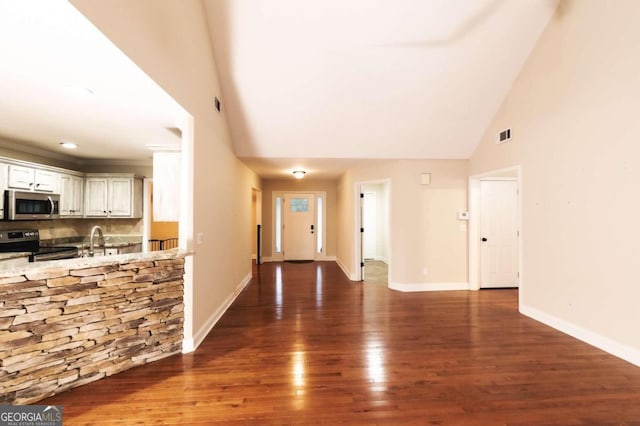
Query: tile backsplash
x,y
61,228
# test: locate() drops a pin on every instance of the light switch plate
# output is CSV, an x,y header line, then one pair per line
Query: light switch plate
x,y
463,215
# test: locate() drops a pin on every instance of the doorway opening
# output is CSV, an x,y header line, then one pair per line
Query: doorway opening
x,y
495,239
163,234
374,232
256,225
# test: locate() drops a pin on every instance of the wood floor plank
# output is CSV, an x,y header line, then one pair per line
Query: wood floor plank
x,y
303,345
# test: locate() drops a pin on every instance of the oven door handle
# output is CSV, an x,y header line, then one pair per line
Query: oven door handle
x,y
53,207
53,256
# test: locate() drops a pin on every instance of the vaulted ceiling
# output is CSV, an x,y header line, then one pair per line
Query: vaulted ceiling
x,y
354,79
314,84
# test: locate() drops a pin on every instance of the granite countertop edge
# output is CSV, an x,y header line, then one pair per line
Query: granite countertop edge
x,y
93,262
14,255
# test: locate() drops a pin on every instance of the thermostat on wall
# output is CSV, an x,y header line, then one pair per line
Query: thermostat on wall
x,y
463,215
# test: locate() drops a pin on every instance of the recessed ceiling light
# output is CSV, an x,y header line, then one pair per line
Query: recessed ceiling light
x,y
68,145
299,174
78,91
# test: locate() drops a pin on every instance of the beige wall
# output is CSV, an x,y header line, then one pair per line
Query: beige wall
x,y
169,40
271,185
428,244
574,118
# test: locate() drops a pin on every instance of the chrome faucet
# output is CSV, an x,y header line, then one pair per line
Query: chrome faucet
x,y
100,239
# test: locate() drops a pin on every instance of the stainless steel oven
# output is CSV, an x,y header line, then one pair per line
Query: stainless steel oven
x,y
28,240
23,205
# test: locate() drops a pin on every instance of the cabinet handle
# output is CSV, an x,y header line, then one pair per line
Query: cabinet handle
x,y
104,211
37,185
30,183
109,211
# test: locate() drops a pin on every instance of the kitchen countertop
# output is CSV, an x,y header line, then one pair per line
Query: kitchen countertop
x,y
87,262
14,255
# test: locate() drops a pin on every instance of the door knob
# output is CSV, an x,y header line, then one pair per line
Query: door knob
x,y
484,239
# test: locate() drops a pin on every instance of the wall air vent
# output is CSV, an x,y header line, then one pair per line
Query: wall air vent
x,y
504,136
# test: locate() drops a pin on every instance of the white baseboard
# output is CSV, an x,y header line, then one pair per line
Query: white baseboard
x,y
191,344
428,286
326,259
279,259
613,347
349,275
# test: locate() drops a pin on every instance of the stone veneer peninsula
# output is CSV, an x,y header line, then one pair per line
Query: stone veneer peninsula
x,y
75,321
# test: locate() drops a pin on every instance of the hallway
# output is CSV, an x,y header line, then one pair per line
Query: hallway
x,y
302,344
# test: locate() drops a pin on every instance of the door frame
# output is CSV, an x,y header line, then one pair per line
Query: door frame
x,y
358,258
510,173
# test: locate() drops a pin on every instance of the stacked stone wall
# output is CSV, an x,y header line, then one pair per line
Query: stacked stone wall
x,y
63,327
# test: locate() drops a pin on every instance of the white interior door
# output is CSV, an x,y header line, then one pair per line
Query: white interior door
x,y
370,225
498,233
299,233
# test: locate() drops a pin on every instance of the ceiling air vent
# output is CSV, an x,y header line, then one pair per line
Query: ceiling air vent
x,y
504,136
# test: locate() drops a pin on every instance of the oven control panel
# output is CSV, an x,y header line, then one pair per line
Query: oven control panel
x,y
19,235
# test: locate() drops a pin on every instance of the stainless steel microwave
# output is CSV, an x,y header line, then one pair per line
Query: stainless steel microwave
x,y
23,205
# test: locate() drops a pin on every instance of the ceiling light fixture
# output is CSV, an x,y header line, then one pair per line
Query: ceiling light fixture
x,y
68,145
299,174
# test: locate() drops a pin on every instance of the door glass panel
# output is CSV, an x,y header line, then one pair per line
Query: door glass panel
x,y
299,205
278,225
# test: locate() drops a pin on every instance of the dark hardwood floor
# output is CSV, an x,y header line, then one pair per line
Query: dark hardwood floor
x,y
302,344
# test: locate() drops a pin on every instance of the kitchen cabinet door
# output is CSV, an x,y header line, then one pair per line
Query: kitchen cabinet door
x,y
120,197
71,189
20,177
96,196
45,181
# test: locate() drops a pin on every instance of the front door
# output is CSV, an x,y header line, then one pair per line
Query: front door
x,y
498,233
299,233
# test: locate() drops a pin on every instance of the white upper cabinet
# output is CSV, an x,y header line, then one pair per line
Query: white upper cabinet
x,y
46,181
71,200
30,179
113,196
95,197
120,197
109,195
21,177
